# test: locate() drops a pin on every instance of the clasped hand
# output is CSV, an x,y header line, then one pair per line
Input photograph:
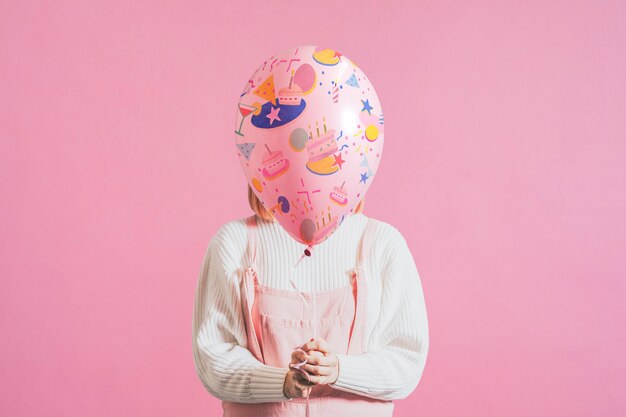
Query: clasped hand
x,y
321,367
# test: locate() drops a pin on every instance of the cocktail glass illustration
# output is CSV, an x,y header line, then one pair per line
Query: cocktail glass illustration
x,y
245,111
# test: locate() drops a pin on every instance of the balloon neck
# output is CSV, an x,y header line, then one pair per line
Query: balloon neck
x,y
308,251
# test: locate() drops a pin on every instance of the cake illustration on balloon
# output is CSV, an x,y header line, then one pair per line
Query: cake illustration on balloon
x,y
288,103
292,95
274,164
327,226
314,231
339,195
320,152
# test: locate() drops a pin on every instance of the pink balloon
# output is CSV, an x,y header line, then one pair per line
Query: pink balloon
x,y
309,135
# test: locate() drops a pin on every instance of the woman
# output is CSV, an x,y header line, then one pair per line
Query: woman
x,y
248,321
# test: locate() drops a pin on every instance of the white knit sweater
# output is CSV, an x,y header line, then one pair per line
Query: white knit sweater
x,y
397,326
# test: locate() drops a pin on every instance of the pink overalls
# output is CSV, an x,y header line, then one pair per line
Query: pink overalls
x,y
275,326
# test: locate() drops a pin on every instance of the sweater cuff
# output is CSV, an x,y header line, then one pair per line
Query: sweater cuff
x,y
267,382
352,377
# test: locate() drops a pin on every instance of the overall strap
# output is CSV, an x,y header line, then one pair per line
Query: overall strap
x,y
366,242
252,236
248,284
357,340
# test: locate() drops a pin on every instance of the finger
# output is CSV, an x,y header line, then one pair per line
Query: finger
x,y
304,393
317,358
314,354
301,391
302,380
298,356
316,370
318,344
313,344
301,374
299,370
320,379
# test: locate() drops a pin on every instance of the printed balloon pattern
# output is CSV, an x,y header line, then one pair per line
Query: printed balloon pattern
x,y
309,136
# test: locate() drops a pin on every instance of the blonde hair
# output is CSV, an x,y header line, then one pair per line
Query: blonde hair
x,y
262,212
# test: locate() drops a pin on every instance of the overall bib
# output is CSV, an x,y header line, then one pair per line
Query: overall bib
x,y
277,322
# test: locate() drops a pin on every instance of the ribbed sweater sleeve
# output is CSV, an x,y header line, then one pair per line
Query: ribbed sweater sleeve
x,y
393,368
227,369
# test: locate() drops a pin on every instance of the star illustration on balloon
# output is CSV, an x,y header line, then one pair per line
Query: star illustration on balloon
x,y
338,160
366,106
364,177
274,114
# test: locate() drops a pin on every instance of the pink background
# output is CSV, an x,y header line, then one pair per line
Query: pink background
x,y
504,135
